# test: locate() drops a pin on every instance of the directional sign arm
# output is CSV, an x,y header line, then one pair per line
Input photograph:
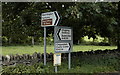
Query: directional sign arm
x,y
49,19
62,46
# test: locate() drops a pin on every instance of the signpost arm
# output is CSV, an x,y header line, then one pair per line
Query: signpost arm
x,y
69,60
44,45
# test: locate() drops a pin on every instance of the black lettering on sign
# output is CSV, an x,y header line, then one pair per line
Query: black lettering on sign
x,y
47,14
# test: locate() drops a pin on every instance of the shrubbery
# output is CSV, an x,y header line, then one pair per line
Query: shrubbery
x,y
84,62
103,44
21,68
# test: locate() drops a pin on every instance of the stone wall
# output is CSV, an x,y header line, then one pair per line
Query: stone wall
x,y
39,57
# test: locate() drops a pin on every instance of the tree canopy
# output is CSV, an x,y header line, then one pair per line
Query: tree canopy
x,y
23,19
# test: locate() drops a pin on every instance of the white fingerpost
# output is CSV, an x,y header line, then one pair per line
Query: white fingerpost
x,y
48,19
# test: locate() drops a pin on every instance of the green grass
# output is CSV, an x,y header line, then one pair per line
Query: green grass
x,y
37,48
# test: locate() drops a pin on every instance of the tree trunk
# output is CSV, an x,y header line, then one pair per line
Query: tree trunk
x,y
109,40
118,44
33,40
93,40
78,42
118,41
9,41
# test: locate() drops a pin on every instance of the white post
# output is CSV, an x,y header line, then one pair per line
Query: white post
x,y
69,60
44,45
55,69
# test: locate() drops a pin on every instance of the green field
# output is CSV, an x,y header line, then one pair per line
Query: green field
x,y
37,48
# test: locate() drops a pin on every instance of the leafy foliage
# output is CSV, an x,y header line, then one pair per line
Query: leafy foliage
x,y
36,68
82,62
86,19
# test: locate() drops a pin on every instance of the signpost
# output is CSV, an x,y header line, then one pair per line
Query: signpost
x,y
63,41
63,37
48,19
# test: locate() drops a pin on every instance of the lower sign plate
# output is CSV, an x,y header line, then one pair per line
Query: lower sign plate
x,y
57,59
62,47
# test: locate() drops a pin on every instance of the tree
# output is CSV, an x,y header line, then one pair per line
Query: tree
x,y
19,22
118,27
86,19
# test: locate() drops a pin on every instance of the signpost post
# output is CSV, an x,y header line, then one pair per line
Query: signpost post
x,y
48,19
69,60
44,45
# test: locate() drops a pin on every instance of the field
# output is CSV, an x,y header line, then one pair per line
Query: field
x,y
50,48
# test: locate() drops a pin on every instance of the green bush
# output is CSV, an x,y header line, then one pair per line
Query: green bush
x,y
21,68
85,63
4,40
